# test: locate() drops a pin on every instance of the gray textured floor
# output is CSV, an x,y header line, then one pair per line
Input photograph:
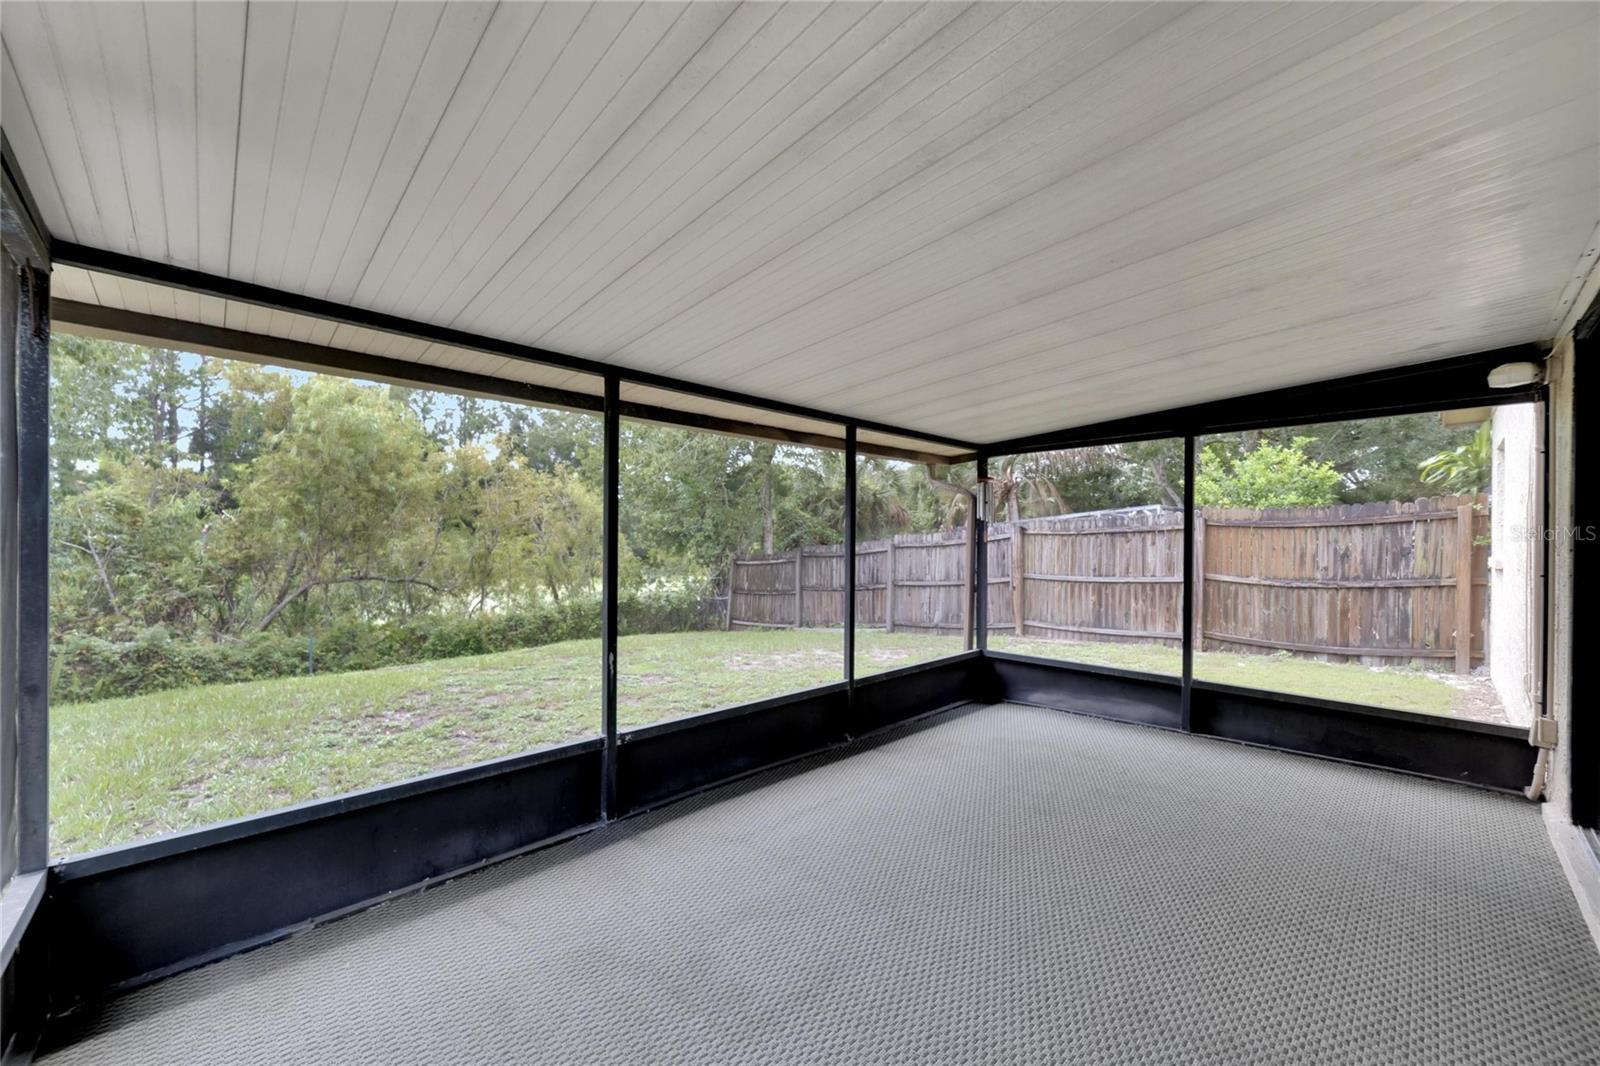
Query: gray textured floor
x,y
1000,884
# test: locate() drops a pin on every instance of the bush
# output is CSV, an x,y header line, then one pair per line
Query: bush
x,y
92,668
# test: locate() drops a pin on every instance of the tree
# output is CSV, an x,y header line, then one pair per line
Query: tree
x,y
1378,458
1268,475
537,530
127,550
335,500
1025,482
546,439
1465,469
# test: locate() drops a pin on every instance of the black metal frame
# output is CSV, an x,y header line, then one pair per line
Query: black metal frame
x,y
1186,622
1414,389
33,569
24,663
134,268
132,907
128,915
283,351
980,557
1491,756
1084,688
134,913
849,566
1583,730
610,539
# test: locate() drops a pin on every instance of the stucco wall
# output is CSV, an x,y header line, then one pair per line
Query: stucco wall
x,y
1513,645
1577,857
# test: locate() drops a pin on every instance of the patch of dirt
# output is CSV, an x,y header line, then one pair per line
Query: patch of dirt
x,y
1477,699
792,660
402,718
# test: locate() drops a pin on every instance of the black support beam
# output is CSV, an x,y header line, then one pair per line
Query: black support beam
x,y
1583,729
1432,386
849,557
33,568
21,227
1186,623
610,539
199,337
980,557
127,266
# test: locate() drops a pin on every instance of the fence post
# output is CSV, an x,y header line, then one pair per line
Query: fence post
x,y
888,588
799,595
1464,588
1018,563
1197,580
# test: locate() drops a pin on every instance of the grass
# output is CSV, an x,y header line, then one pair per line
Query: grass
x,y
127,769
1398,688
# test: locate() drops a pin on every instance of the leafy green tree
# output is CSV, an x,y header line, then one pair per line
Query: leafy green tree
x,y
898,496
128,550
1378,458
546,439
1268,475
333,501
1465,469
537,531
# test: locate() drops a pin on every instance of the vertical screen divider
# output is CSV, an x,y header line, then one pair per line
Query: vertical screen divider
x,y
609,594
979,590
849,560
1186,619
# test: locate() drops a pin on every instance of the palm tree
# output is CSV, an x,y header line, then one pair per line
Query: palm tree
x,y
879,504
1466,469
1020,480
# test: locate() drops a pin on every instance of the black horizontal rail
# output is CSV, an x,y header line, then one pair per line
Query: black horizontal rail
x,y
1438,385
66,253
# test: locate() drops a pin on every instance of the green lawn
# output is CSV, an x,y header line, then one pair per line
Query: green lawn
x,y
125,769
1398,688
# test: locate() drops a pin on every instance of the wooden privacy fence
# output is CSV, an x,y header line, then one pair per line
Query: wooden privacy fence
x,y
911,583
1379,582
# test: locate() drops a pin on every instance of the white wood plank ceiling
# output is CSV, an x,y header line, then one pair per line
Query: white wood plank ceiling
x,y
72,286
980,220
144,298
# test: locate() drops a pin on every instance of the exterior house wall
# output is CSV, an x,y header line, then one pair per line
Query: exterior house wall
x,y
1579,858
1514,613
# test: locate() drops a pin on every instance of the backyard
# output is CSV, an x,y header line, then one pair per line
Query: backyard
x,y
126,769
216,524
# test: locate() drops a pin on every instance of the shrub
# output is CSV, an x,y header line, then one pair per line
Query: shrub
x,y
93,668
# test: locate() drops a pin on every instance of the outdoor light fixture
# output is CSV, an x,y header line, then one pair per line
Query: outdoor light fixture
x,y
1515,375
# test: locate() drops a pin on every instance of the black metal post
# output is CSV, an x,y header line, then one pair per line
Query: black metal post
x,y
980,557
9,284
609,593
850,558
1583,728
33,570
1186,623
